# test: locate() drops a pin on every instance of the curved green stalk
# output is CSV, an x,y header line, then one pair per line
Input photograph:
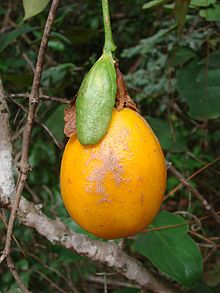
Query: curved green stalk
x,y
109,45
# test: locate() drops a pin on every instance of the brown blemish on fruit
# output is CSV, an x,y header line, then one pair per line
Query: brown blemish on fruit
x,y
142,199
69,181
110,163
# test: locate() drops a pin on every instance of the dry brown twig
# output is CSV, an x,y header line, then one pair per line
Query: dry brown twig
x,y
195,192
36,118
42,97
24,167
192,176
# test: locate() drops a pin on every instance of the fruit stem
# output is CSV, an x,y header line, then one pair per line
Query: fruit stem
x,y
109,45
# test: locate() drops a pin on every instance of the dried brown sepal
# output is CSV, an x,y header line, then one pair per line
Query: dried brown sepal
x,y
122,98
70,119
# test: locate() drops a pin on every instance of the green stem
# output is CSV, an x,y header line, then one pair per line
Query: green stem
x,y
109,45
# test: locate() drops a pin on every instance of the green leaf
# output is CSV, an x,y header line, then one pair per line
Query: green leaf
x,y
56,122
201,89
23,264
154,3
171,250
182,55
202,288
180,11
202,3
56,73
80,35
19,80
213,60
33,7
146,46
95,101
170,139
211,14
8,38
56,46
213,278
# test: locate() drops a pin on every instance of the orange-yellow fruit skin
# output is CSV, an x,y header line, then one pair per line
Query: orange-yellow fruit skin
x,y
115,188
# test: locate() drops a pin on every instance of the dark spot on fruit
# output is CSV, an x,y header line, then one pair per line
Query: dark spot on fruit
x,y
142,199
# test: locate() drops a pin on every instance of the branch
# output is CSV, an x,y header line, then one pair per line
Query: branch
x,y
37,119
43,97
107,253
6,174
196,193
24,167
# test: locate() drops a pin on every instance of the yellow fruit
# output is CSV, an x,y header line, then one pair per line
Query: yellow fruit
x,y
115,188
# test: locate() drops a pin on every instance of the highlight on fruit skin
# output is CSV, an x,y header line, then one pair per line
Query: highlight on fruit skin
x,y
114,189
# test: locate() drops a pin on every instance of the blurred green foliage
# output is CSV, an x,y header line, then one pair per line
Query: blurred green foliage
x,y
173,79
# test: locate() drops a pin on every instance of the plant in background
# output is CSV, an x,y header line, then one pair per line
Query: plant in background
x,y
172,71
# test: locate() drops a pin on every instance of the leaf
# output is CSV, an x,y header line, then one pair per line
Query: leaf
x,y
171,250
154,3
8,38
213,60
202,3
146,46
55,122
180,11
70,119
171,140
213,278
211,14
182,55
202,288
201,89
33,7
57,73
19,81
80,35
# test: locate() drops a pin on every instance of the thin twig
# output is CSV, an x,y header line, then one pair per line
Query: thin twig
x,y
192,176
196,193
55,286
6,18
3,219
24,167
191,222
108,253
112,282
36,118
43,97
6,178
205,239
12,268
62,276
29,62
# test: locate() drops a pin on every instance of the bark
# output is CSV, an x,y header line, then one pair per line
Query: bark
x,y
107,253
6,169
